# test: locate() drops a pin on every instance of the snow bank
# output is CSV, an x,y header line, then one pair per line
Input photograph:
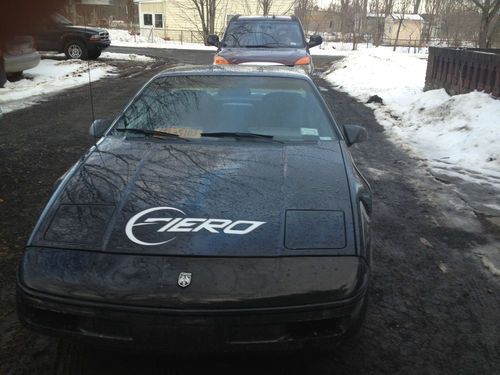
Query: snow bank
x,y
49,77
460,133
122,38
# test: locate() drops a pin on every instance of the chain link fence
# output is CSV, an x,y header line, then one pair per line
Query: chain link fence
x,y
151,35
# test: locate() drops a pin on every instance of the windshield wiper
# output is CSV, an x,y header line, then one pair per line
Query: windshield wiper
x,y
239,135
153,133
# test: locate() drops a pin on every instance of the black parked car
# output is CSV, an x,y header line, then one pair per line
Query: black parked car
x,y
77,42
221,210
267,40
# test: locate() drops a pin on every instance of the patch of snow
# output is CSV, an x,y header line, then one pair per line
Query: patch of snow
x,y
122,38
125,56
49,77
459,132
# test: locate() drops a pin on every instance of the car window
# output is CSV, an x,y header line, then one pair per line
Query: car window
x,y
288,109
57,18
263,33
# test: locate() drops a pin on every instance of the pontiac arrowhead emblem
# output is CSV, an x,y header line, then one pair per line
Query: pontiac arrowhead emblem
x,y
184,279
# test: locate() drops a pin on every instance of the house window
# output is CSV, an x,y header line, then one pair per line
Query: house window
x,y
148,19
159,21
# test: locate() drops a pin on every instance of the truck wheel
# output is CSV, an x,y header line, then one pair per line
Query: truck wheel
x,y
76,50
3,77
93,55
13,77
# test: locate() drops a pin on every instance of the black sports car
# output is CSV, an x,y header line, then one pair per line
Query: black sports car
x,y
220,210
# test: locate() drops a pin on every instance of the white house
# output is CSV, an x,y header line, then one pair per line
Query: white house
x,y
179,20
410,28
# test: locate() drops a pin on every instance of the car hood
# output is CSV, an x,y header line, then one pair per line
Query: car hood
x,y
263,199
285,56
86,29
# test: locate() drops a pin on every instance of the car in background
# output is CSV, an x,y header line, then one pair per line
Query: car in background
x,y
16,55
220,210
77,42
268,40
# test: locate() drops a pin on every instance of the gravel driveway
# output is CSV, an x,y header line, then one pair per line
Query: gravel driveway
x,y
434,304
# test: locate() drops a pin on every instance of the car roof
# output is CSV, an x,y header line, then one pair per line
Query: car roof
x,y
237,70
265,18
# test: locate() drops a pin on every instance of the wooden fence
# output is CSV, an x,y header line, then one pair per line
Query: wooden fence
x,y
463,70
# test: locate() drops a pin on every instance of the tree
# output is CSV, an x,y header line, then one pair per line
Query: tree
x,y
303,10
345,13
205,13
490,14
388,7
357,17
265,5
416,6
381,9
131,9
401,17
432,9
457,21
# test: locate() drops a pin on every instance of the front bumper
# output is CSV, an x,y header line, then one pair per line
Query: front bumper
x,y
19,63
186,331
98,45
205,318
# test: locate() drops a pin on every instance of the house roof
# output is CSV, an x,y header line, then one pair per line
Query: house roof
x,y
375,15
412,17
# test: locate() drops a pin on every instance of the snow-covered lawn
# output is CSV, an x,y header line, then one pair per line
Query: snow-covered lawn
x,y
341,48
457,134
122,38
52,76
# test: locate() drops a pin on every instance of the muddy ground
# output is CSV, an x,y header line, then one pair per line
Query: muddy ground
x,y
434,303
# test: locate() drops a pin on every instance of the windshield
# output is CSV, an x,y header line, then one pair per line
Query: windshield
x,y
60,19
287,109
262,33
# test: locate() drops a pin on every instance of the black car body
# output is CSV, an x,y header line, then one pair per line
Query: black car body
x,y
183,240
276,40
77,42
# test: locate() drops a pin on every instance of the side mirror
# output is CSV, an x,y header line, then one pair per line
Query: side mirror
x,y
355,134
315,40
213,40
99,127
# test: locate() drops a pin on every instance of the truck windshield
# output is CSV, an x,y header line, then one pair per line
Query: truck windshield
x,y
281,108
263,33
60,19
